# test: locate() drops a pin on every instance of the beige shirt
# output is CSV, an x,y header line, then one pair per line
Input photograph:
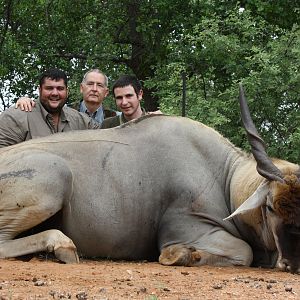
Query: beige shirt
x,y
17,126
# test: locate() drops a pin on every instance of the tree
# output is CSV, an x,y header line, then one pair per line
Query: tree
x,y
224,52
127,36
217,44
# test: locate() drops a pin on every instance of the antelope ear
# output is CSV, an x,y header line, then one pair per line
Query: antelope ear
x,y
254,201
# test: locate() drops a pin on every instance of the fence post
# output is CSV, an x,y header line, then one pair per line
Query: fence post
x,y
183,104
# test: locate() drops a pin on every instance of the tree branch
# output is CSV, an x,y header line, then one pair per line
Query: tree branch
x,y
84,57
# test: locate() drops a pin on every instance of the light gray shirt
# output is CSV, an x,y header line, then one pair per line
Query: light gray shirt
x,y
17,126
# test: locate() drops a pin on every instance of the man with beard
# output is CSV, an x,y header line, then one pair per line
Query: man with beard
x,y
50,114
94,90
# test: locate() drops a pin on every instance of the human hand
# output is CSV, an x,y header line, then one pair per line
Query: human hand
x,y
157,112
25,103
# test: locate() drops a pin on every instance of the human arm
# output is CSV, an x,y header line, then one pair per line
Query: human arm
x,y
157,112
11,129
25,103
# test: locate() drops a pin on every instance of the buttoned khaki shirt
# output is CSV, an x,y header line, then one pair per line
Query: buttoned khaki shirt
x,y
17,126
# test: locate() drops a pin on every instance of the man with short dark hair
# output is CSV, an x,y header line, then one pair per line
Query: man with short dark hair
x,y
128,93
50,114
94,89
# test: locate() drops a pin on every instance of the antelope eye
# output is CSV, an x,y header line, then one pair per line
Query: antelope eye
x,y
270,208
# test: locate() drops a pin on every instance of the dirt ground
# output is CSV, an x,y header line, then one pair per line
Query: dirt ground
x,y
45,278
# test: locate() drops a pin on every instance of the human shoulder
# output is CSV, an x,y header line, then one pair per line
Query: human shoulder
x,y
111,122
109,113
13,126
79,120
72,111
14,113
20,118
73,114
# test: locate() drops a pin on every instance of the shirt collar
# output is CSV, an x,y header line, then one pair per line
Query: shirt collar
x,y
123,120
98,115
46,115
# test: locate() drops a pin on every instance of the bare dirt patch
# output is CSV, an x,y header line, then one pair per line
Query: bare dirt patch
x,y
47,279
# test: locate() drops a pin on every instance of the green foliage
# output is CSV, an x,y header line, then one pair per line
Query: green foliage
x,y
216,44
241,48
